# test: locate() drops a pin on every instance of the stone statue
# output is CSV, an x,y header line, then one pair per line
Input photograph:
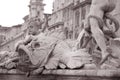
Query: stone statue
x,y
39,51
98,10
28,47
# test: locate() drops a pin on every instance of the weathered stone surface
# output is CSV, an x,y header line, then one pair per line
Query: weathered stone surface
x,y
90,66
62,66
76,59
107,66
90,73
54,77
76,73
115,46
4,71
10,65
13,71
52,63
108,73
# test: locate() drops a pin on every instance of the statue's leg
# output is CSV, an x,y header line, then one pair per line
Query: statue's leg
x,y
99,37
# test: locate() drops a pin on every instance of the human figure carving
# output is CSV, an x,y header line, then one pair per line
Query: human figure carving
x,y
26,45
49,52
98,9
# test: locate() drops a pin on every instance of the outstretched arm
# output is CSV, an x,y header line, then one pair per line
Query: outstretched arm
x,y
27,40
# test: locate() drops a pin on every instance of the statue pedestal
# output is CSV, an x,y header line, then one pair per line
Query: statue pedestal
x,y
65,75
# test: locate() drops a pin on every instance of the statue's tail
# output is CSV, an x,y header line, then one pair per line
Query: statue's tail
x,y
114,20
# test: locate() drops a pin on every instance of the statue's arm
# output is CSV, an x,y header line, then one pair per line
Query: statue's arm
x,y
26,41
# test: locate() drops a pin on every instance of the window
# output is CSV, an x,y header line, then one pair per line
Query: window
x,y
64,15
83,13
38,13
77,18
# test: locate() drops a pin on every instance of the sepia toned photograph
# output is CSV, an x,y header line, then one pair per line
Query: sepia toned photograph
x,y
60,40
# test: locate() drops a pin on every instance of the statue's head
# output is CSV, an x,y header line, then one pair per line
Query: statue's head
x,y
33,26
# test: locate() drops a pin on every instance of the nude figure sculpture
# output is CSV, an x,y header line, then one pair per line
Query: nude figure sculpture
x,y
98,10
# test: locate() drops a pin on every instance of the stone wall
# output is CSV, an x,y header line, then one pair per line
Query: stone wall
x,y
9,45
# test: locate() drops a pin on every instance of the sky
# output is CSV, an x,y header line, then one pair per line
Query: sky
x,y
13,11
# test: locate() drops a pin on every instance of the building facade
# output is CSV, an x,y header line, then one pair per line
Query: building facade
x,y
36,9
71,13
